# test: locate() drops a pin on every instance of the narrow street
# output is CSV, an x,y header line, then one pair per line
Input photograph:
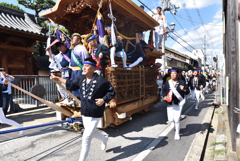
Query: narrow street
x,y
126,142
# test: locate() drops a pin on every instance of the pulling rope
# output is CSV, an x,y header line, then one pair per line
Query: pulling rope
x,y
70,120
125,37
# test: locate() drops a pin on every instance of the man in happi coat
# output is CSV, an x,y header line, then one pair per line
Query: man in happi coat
x,y
60,63
95,92
99,53
117,49
196,84
78,55
179,89
137,55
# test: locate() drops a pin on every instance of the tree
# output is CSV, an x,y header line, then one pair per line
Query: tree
x,y
37,5
11,6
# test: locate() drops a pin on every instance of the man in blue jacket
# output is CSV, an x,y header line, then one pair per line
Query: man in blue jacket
x,y
95,92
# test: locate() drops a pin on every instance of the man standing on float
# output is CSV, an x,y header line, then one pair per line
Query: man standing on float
x,y
159,30
77,59
95,92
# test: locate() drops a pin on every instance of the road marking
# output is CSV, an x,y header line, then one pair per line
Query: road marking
x,y
140,156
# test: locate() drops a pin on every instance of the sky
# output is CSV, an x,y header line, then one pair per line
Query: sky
x,y
191,32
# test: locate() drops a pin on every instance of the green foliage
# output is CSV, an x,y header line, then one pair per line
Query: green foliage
x,y
218,152
37,5
11,6
217,112
217,143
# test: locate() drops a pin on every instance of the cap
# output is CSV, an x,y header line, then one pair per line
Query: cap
x,y
159,7
141,6
92,38
140,33
108,27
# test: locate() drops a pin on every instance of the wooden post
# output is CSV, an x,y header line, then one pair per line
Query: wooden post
x,y
232,64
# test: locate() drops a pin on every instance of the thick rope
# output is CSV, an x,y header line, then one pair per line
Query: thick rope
x,y
125,37
70,120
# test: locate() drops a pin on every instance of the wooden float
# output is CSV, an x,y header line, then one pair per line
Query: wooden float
x,y
136,90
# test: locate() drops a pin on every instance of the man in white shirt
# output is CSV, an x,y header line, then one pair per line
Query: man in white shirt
x,y
159,30
60,63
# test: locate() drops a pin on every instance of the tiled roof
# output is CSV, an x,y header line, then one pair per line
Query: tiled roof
x,y
18,20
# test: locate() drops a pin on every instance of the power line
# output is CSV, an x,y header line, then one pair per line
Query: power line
x,y
196,21
180,43
181,25
176,34
199,15
202,18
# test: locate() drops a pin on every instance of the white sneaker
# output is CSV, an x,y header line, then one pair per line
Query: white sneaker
x,y
21,132
104,143
177,137
114,65
70,102
172,124
196,108
64,102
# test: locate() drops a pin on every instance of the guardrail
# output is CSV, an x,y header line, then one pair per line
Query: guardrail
x,y
24,101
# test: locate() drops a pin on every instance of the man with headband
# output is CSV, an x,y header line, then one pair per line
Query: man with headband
x,y
99,53
95,92
196,85
116,50
159,30
174,91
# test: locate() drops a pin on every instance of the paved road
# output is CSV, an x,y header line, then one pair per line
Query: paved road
x,y
55,143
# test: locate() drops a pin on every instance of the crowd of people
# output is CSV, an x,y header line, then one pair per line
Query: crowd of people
x,y
81,73
176,86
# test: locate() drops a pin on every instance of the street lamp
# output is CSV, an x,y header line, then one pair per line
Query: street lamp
x,y
172,26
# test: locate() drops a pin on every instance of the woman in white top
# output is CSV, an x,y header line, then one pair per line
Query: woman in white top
x,y
159,30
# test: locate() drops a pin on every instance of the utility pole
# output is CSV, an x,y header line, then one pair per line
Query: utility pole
x,y
217,65
163,44
204,52
166,6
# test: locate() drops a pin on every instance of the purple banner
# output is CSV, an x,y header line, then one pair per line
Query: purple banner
x,y
63,39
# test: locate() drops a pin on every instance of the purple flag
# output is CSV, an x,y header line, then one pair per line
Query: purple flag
x,y
100,31
63,39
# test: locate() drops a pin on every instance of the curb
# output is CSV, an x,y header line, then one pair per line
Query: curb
x,y
197,146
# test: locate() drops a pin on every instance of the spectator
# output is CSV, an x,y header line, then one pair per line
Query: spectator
x,y
6,95
160,84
